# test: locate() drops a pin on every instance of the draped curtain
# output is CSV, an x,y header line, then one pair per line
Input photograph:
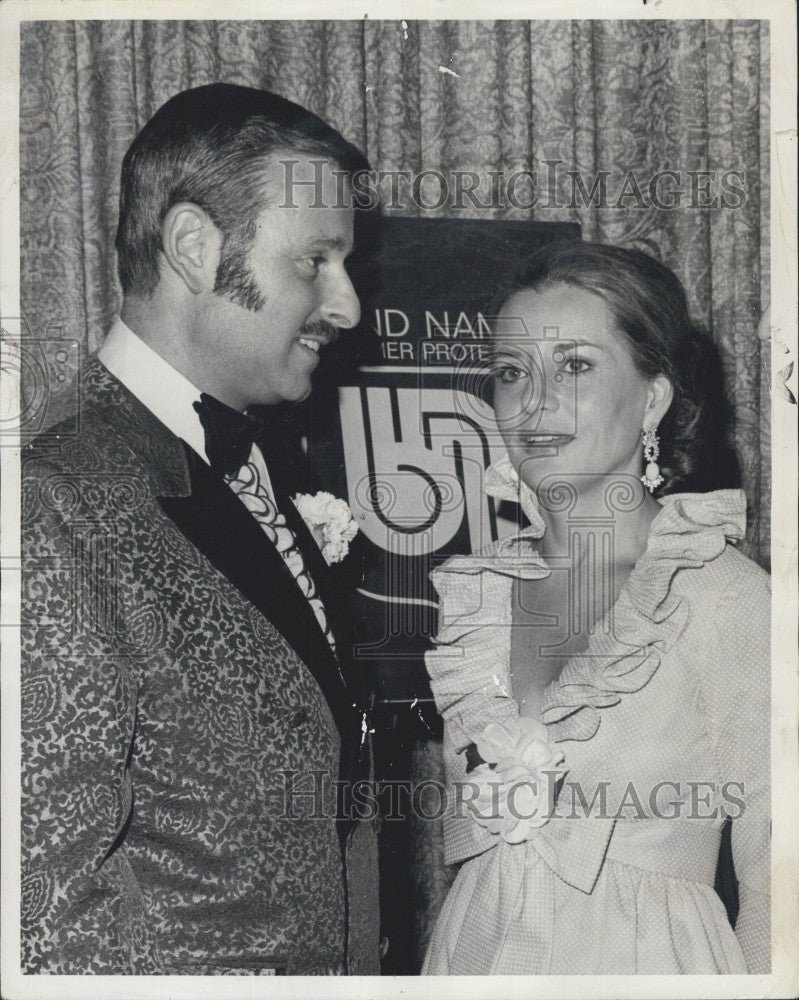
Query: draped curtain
x,y
604,98
598,96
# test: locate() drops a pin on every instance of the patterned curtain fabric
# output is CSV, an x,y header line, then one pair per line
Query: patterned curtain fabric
x,y
603,98
598,96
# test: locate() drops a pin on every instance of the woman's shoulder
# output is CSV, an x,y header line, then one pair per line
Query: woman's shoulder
x,y
468,662
474,590
727,597
702,530
730,626
692,563
729,585
742,573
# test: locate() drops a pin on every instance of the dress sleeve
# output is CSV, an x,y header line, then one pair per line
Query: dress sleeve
x,y
82,908
469,677
740,698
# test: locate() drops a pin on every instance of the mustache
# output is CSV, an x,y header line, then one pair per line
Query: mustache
x,y
320,328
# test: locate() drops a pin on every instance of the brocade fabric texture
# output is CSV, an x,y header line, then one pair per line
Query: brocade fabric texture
x,y
160,710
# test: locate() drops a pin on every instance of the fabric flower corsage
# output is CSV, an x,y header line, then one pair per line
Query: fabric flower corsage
x,y
331,522
515,780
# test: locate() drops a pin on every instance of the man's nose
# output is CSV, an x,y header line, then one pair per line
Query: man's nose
x,y
341,306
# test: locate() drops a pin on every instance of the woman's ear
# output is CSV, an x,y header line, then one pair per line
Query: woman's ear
x,y
192,246
659,399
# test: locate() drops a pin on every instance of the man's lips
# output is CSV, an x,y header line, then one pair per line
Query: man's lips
x,y
317,334
312,345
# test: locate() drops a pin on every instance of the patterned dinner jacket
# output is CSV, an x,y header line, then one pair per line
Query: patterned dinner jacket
x,y
184,720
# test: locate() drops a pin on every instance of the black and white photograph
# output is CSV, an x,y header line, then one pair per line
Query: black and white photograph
x,y
399,468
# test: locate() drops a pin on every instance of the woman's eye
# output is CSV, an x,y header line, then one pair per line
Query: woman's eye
x,y
508,373
576,366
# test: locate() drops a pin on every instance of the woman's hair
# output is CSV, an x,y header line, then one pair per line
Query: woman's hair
x,y
649,304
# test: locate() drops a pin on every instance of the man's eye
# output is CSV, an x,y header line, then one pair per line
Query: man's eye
x,y
314,262
508,373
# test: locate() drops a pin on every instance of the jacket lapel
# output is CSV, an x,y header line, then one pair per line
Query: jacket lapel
x,y
219,525
354,761
207,512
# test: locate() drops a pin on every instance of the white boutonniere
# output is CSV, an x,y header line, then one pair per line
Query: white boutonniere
x,y
331,522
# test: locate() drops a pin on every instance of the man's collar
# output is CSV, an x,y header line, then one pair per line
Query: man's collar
x,y
166,393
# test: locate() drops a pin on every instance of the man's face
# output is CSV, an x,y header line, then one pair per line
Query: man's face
x,y
266,356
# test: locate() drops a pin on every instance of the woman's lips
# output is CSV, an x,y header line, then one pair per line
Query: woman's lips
x,y
540,440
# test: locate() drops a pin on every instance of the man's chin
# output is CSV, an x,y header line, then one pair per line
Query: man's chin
x,y
287,396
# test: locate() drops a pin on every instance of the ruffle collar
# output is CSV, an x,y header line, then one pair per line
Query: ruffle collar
x,y
502,481
648,617
515,555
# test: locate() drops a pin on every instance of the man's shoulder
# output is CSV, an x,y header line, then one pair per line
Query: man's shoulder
x,y
94,426
76,445
81,404
106,458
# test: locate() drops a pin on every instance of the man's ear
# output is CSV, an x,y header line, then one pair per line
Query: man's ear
x,y
659,399
192,246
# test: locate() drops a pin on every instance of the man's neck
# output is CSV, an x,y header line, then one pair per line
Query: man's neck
x,y
162,329
166,329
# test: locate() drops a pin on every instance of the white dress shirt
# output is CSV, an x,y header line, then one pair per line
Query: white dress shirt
x,y
170,397
167,394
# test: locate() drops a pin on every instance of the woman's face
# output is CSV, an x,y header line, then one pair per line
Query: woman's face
x,y
568,399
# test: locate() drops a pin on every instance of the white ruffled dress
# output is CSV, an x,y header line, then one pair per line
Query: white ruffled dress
x,y
672,694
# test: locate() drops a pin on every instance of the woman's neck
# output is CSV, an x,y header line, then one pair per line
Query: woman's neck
x,y
626,508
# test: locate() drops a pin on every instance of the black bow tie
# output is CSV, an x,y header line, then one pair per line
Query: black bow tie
x,y
229,435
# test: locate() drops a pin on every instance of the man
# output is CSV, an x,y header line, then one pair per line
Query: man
x,y
188,699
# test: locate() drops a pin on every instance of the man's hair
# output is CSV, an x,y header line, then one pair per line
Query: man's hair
x,y
208,146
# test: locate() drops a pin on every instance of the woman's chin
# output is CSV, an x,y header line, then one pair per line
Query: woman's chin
x,y
544,478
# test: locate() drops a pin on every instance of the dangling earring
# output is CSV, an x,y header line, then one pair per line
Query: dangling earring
x,y
651,477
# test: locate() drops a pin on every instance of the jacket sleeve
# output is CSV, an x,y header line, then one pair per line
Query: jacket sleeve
x,y
739,694
82,909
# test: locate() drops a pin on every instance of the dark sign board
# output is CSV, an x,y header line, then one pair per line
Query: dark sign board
x,y
407,433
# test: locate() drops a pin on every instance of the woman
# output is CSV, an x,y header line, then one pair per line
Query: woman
x,y
604,675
